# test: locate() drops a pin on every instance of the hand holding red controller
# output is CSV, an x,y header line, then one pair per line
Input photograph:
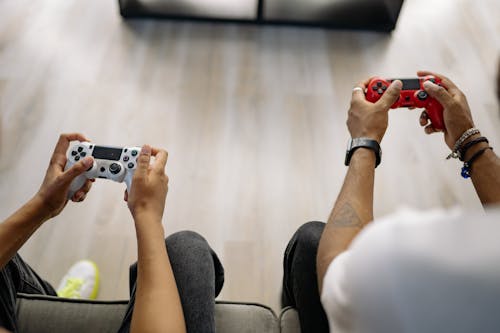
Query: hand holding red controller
x,y
412,95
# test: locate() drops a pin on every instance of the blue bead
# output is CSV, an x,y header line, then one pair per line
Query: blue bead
x,y
465,172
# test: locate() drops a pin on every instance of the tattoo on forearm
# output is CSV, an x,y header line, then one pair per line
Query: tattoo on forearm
x,y
346,217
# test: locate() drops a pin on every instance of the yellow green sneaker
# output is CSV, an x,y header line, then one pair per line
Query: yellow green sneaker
x,y
81,281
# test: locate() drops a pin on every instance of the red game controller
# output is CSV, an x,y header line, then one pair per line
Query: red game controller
x,y
412,95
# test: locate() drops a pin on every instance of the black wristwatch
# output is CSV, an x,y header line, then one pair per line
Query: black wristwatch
x,y
356,143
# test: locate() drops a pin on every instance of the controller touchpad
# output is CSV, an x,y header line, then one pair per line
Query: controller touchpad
x,y
411,84
107,153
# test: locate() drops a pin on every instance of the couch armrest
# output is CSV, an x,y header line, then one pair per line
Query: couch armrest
x,y
289,321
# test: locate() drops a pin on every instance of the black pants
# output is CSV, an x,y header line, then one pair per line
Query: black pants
x,y
198,273
300,283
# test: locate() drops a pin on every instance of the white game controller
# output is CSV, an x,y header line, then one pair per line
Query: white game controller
x,y
113,163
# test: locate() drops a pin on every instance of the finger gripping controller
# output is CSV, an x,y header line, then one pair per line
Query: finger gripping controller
x,y
412,94
117,164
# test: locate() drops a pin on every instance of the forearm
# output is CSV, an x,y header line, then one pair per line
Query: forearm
x,y
352,211
19,227
485,174
157,306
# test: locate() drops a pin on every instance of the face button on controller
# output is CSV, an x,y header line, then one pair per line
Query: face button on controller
x,y
80,149
73,153
83,154
77,158
422,95
384,87
103,169
380,91
374,88
126,158
379,84
115,168
130,165
134,153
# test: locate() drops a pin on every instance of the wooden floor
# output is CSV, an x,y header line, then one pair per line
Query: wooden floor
x,y
253,118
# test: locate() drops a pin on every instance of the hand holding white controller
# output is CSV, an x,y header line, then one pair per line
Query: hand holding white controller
x,y
117,164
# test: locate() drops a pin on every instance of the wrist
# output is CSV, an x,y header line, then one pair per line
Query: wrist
x,y
148,227
473,149
364,154
461,141
365,144
146,216
38,209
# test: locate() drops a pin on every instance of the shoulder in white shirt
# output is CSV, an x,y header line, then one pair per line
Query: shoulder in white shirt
x,y
436,271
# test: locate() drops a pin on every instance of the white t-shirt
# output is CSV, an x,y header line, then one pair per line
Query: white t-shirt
x,y
436,271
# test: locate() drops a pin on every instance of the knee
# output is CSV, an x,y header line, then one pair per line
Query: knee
x,y
310,231
185,238
308,236
300,254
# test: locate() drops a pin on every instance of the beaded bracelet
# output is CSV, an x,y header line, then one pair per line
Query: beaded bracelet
x,y
467,134
463,150
466,169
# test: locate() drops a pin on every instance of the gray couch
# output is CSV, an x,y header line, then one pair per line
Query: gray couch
x,y
47,314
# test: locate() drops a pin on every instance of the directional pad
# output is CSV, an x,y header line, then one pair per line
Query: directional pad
x,y
78,154
379,87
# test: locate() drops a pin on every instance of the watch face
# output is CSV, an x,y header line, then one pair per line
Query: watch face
x,y
362,142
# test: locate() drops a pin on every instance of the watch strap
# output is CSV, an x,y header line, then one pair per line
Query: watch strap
x,y
363,143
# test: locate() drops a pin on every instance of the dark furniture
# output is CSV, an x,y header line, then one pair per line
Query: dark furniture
x,y
378,15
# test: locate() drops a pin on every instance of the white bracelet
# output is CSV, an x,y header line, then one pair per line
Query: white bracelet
x,y
467,134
